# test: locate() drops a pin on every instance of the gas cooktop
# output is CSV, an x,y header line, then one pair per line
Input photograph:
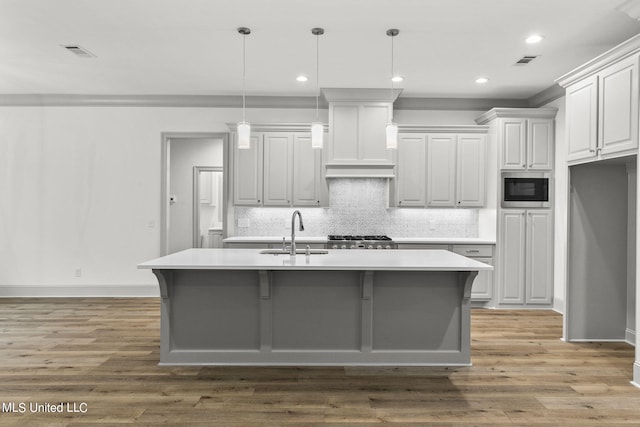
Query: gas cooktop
x,y
368,241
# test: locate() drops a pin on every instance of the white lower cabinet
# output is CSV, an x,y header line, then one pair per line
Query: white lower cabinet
x,y
526,257
482,289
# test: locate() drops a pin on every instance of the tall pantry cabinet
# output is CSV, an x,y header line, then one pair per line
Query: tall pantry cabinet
x,y
524,138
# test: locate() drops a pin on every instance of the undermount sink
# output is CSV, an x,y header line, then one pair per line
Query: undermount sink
x,y
298,251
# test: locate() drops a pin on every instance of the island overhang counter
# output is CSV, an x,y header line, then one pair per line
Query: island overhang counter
x,y
356,307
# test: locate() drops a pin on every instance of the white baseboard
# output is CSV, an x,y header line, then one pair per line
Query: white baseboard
x,y
630,336
636,374
71,291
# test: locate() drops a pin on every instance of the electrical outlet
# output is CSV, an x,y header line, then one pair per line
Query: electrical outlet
x,y
243,222
78,272
151,223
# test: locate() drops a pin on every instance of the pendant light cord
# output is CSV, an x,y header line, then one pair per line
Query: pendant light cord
x,y
391,100
317,73
244,72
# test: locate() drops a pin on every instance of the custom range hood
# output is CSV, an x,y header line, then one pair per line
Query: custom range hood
x,y
357,137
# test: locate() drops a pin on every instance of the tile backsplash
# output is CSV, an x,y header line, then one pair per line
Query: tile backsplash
x,y
359,206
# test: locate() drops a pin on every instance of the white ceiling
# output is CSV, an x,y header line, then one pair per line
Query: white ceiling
x,y
191,47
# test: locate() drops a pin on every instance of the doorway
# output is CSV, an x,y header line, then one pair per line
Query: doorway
x,y
601,252
194,190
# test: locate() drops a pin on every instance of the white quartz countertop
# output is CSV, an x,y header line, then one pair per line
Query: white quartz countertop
x,y
446,240
353,259
323,239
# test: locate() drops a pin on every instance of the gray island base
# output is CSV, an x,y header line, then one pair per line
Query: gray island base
x,y
356,307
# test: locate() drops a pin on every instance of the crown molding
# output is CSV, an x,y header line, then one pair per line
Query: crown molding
x,y
519,113
185,101
623,50
442,128
546,96
360,94
457,104
228,101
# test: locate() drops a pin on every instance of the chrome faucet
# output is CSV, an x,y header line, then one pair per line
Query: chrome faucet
x,y
292,250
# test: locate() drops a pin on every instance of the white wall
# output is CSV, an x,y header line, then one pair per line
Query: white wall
x,y
81,187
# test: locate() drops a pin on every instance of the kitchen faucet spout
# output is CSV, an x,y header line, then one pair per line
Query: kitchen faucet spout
x,y
292,250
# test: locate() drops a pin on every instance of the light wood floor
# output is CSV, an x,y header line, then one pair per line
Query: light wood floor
x,y
104,352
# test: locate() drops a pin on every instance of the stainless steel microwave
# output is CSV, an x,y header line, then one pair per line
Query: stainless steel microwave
x,y
526,190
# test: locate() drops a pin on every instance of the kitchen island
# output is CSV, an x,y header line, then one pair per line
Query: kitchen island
x,y
356,307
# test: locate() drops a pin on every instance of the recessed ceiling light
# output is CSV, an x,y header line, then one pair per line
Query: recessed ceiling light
x,y
534,38
397,79
302,78
482,80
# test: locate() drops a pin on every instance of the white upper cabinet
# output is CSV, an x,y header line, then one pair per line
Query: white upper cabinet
x,y
411,169
441,170
441,167
247,172
540,144
307,171
582,119
280,169
278,160
618,107
526,144
470,170
602,105
513,144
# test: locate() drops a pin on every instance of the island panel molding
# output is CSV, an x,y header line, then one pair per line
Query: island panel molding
x,y
240,307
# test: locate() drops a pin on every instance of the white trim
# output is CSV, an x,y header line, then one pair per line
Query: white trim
x,y
72,291
636,374
524,113
598,340
220,101
619,52
409,128
630,336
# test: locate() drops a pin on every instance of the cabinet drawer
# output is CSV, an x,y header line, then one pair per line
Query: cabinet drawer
x,y
474,251
422,246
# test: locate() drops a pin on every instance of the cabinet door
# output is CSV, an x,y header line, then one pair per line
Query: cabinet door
x,y
540,144
470,173
539,263
411,169
482,289
512,256
618,113
582,119
513,137
307,171
441,170
278,157
247,173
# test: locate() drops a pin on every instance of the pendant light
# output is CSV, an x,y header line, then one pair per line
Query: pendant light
x,y
244,129
317,128
392,128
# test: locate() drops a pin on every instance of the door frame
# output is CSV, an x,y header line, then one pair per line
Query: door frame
x,y
165,165
196,200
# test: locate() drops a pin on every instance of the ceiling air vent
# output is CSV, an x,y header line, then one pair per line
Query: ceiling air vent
x,y
79,51
526,59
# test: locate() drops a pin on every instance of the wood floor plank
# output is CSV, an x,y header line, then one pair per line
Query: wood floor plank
x,y
104,352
